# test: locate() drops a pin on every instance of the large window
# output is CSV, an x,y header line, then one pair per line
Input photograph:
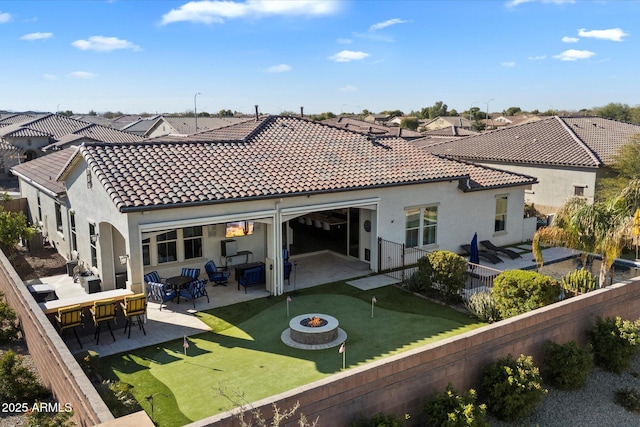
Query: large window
x,y
501,213
167,246
421,226
192,238
146,251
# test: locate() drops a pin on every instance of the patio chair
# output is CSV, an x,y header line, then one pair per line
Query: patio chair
x,y
191,272
160,292
102,312
491,257
134,306
153,277
508,252
216,275
70,317
195,290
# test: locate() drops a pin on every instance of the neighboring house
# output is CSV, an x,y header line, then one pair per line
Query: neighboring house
x,y
568,155
173,202
379,119
505,121
367,128
443,122
27,139
187,125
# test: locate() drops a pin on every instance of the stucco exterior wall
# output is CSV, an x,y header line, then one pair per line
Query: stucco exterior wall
x,y
555,185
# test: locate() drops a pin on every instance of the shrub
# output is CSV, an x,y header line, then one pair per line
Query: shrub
x,y
379,420
9,330
579,281
118,397
628,398
449,409
17,382
483,306
520,291
615,343
425,272
414,283
512,388
36,418
449,272
568,366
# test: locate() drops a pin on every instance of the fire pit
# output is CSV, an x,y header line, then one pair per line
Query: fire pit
x,y
313,331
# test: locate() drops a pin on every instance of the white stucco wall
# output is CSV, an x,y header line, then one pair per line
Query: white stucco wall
x,y
555,185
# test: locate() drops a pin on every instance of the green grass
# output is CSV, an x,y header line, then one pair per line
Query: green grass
x,y
244,352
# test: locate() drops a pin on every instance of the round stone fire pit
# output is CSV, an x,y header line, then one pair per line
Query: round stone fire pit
x,y
313,331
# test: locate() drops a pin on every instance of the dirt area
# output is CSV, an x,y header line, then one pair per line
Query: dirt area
x,y
39,263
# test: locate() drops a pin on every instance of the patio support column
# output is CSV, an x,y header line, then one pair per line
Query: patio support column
x,y
278,263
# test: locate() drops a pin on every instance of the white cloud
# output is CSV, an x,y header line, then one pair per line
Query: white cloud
x,y
5,17
344,41
348,56
509,64
348,88
513,3
104,44
36,36
85,75
537,58
387,23
566,39
613,34
574,55
49,77
216,11
279,68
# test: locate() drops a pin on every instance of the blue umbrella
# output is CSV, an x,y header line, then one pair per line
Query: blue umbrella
x,y
474,256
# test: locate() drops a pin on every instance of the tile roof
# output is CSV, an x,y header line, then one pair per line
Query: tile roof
x,y
16,118
44,170
563,141
370,128
58,126
187,125
273,157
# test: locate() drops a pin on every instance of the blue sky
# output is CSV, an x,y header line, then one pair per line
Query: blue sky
x,y
340,56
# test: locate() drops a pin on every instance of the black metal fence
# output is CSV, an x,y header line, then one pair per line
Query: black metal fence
x,y
398,261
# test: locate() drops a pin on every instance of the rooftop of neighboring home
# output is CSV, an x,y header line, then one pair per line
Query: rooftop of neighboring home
x,y
368,128
187,125
567,141
43,171
458,121
271,157
56,127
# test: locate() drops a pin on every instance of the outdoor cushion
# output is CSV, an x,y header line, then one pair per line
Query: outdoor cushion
x,y
195,290
160,293
252,277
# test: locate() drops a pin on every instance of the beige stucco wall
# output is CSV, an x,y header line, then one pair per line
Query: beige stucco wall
x,y
555,184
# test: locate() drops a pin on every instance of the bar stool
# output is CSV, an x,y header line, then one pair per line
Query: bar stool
x,y
102,312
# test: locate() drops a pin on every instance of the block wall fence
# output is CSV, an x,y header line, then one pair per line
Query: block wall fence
x,y
398,384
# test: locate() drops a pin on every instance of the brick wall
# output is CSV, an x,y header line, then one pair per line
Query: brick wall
x,y
400,384
57,366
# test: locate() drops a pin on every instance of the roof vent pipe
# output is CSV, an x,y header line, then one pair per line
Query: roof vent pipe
x,y
256,112
302,112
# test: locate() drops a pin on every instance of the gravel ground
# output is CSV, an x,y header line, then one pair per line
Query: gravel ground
x,y
591,406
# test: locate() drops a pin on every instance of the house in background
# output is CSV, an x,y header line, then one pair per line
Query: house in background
x,y
445,122
568,155
356,125
173,202
28,138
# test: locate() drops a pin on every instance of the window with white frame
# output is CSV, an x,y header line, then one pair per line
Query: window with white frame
x,y
146,251
58,217
93,239
39,207
167,244
421,226
501,213
192,240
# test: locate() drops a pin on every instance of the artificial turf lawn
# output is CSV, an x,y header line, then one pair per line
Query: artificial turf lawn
x,y
244,352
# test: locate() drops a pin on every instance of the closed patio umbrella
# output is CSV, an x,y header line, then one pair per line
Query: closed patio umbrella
x,y
474,256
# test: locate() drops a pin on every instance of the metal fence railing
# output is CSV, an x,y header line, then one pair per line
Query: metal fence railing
x,y
398,261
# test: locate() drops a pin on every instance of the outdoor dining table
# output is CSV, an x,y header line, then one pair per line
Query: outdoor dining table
x,y
179,282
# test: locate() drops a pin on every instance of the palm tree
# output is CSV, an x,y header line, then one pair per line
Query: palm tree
x,y
603,228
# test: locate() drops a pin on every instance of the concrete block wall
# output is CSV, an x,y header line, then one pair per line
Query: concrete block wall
x,y
56,365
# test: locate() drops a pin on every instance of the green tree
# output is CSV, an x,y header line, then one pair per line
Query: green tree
x,y
439,109
634,114
603,228
615,111
67,113
625,164
453,113
92,113
393,113
409,123
512,111
225,113
13,228
323,116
